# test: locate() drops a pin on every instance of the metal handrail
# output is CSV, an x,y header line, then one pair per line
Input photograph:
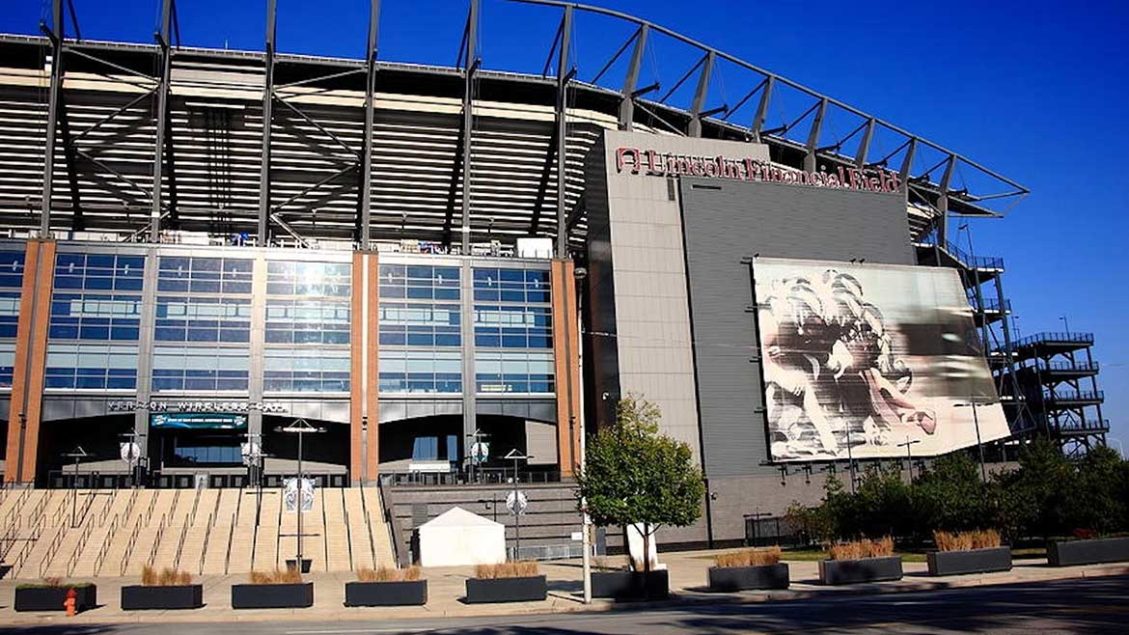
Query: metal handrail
x,y
52,549
72,562
1056,336
1068,365
227,558
132,542
157,539
1074,395
368,522
29,544
180,545
104,549
204,547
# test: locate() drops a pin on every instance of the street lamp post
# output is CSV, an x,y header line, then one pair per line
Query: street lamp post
x,y
517,508
979,445
850,459
77,454
301,427
1065,323
909,454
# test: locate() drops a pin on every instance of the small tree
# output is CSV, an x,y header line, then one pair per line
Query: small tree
x,y
635,475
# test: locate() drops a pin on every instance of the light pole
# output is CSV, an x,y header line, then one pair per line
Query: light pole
x,y
517,508
300,427
580,274
1065,323
77,454
909,455
979,446
850,459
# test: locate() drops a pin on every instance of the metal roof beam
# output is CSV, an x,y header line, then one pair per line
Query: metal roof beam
x,y
363,229
468,118
695,128
564,76
268,117
813,136
162,127
627,101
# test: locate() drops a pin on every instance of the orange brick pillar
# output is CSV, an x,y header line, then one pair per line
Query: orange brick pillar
x,y
364,411
566,356
31,357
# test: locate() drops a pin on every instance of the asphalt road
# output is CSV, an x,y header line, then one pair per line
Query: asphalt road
x,y
1093,605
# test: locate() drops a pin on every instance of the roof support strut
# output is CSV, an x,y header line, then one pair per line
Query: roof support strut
x,y
627,101
162,125
52,115
695,129
364,192
564,76
268,103
472,62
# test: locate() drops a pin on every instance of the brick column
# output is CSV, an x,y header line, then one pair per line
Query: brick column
x,y
364,406
31,357
566,356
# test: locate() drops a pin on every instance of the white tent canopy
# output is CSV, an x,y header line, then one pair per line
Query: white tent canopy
x,y
458,537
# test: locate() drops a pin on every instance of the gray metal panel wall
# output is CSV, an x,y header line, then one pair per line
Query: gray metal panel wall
x,y
726,221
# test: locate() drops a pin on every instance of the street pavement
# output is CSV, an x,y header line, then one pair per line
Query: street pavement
x,y
693,608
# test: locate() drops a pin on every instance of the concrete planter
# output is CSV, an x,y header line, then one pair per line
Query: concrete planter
x,y
400,593
972,561
142,598
482,590
771,576
1065,553
631,585
863,570
272,596
52,598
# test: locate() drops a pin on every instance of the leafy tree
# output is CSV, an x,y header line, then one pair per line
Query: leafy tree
x,y
1035,499
951,497
1099,502
635,475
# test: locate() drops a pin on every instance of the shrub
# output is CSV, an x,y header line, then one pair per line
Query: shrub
x,y
278,576
520,569
864,548
748,558
606,563
388,574
166,577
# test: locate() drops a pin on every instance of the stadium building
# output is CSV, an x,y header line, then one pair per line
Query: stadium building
x,y
438,266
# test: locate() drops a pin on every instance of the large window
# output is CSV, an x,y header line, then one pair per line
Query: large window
x,y
419,324
514,372
307,322
309,370
85,316
203,319
100,272
205,275
91,366
511,285
308,278
419,282
11,269
11,281
194,368
420,371
7,363
512,326
9,313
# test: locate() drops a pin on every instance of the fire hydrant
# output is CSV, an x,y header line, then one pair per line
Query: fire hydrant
x,y
70,602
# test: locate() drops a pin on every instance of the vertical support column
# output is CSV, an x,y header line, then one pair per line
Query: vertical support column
x,y
268,103
255,378
162,121
364,405
53,105
813,136
566,357
762,109
564,75
470,385
943,201
364,194
31,358
864,145
145,351
695,128
468,118
627,102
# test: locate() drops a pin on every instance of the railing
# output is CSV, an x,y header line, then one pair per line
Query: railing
x,y
989,305
204,546
195,506
72,562
1079,366
21,500
1070,396
480,476
152,505
157,540
1086,425
348,530
36,530
180,545
1056,337
104,549
52,549
395,532
227,558
131,543
973,262
368,523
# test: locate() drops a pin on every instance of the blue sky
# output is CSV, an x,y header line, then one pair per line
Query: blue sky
x,y
1035,90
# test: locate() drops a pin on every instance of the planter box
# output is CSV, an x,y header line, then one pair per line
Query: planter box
x,y
973,561
864,570
772,576
531,589
272,596
1064,553
143,598
403,593
631,585
52,598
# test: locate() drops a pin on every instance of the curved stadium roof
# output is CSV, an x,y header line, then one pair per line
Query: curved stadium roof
x,y
109,111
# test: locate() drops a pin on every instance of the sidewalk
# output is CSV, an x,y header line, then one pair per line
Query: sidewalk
x,y
446,590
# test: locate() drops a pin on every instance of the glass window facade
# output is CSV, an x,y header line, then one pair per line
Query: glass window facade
x,y
307,327
420,329
513,331
95,322
11,280
202,324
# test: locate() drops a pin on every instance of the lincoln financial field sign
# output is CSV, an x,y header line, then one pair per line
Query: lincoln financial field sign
x,y
871,357
651,163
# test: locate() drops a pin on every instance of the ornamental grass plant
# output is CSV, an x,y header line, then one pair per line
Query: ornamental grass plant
x,y
167,576
389,574
749,557
278,576
519,569
966,540
863,548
